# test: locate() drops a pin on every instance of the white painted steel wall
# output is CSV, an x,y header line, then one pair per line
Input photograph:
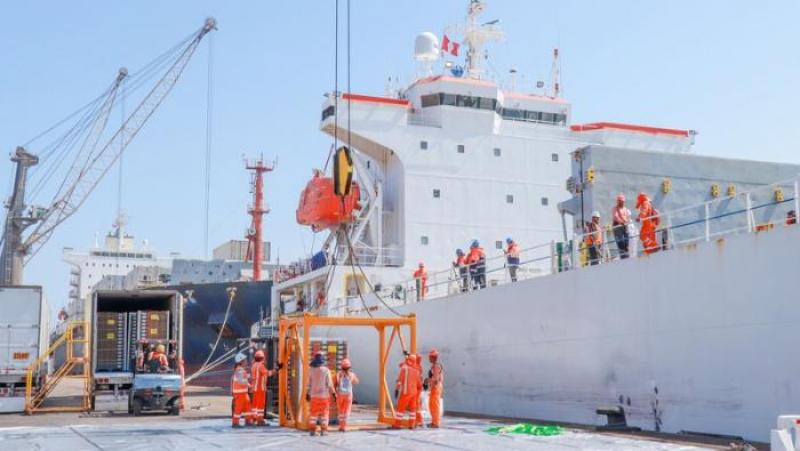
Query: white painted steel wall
x,y
699,339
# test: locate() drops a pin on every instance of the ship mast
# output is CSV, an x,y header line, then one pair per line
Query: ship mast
x,y
255,241
476,36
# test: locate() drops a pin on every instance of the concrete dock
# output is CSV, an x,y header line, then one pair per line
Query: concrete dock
x,y
205,424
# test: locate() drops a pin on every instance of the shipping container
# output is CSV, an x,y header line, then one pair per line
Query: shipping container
x,y
127,324
23,338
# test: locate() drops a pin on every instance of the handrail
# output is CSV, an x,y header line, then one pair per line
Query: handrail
x,y
67,339
573,252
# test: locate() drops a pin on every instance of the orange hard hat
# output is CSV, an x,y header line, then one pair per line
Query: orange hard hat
x,y
433,354
410,359
259,355
345,364
641,198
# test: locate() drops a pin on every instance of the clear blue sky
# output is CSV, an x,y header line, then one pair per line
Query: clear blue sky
x,y
728,69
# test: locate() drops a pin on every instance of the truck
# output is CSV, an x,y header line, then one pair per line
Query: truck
x,y
23,338
130,329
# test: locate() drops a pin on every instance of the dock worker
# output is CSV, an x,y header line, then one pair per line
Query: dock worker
x,y
260,375
318,392
406,391
460,264
240,386
157,359
476,260
512,258
648,217
435,384
621,217
421,278
594,238
344,382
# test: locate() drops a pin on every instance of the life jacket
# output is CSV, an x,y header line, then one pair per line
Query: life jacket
x,y
476,256
421,273
513,253
239,382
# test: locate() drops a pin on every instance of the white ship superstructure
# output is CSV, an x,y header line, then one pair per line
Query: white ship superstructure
x,y
117,257
676,339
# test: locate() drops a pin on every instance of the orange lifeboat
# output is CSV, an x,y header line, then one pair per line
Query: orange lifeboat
x,y
321,209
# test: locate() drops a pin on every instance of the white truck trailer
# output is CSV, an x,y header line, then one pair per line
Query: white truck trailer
x,y
23,338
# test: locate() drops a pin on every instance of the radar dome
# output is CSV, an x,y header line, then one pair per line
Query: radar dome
x,y
426,47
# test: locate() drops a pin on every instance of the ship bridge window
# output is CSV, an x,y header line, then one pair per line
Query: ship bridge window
x,y
460,148
545,201
498,244
328,112
554,157
423,145
497,152
509,198
437,194
423,240
430,100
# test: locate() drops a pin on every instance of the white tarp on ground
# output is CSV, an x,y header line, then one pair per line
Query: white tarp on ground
x,y
459,434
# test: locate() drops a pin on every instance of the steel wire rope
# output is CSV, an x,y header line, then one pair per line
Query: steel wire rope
x,y
221,329
209,116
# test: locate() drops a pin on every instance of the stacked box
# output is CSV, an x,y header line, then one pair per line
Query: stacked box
x,y
112,336
154,325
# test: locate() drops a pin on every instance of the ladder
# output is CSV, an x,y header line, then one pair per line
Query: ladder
x,y
76,333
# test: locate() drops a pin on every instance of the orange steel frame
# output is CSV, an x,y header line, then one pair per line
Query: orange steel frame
x,y
294,331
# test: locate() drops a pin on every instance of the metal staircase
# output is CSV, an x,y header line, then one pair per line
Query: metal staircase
x,y
77,333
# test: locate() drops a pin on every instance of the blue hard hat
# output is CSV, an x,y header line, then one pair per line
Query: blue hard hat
x,y
509,240
459,252
475,243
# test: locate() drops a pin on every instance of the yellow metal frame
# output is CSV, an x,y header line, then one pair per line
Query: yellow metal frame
x,y
68,339
295,335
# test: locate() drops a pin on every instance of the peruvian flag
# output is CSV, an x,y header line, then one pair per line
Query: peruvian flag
x,y
449,46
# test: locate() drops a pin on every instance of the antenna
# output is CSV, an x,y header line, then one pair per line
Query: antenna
x,y
555,75
255,244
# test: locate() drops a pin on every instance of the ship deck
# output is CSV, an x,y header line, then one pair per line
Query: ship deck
x,y
205,424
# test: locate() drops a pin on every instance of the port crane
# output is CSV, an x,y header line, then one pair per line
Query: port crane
x,y
90,164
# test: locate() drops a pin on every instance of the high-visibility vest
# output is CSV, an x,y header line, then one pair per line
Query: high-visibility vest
x,y
345,381
595,235
408,381
239,382
259,374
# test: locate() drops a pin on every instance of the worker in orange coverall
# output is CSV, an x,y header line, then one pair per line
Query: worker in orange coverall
x,y
345,379
259,375
409,384
318,392
240,385
648,216
435,383
421,276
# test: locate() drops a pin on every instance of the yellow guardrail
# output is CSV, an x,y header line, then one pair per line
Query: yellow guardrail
x,y
67,339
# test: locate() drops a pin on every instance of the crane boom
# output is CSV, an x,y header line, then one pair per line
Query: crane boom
x,y
99,163
82,179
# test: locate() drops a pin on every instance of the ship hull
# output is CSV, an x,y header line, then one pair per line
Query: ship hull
x,y
699,339
203,316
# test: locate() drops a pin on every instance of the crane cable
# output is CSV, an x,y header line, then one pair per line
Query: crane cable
x,y
209,116
231,296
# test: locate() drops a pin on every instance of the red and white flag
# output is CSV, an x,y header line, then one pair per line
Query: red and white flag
x,y
449,46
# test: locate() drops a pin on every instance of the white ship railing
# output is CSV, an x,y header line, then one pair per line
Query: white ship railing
x,y
754,211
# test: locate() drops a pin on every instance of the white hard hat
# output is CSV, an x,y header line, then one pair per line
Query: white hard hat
x,y
239,358
595,214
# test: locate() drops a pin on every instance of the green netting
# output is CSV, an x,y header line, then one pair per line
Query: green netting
x,y
526,428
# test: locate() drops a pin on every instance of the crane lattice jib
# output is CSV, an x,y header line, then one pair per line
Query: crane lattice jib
x,y
101,161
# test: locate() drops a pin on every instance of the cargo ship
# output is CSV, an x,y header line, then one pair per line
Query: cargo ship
x,y
693,336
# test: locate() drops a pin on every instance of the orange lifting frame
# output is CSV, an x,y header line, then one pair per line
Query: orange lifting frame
x,y
290,336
